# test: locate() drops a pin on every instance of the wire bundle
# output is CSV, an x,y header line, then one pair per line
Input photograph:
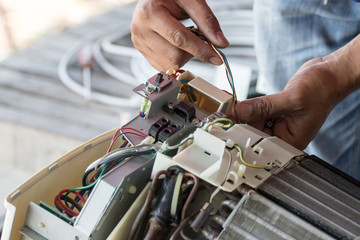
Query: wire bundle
x,y
72,206
227,69
226,120
185,88
223,58
71,201
128,130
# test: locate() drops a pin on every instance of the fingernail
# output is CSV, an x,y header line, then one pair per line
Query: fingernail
x,y
221,38
215,60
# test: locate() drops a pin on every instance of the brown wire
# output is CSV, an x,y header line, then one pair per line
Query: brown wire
x,y
72,201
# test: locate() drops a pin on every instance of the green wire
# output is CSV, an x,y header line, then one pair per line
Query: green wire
x,y
230,123
241,156
231,76
84,187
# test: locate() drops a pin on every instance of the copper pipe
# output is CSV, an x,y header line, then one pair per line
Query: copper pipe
x,y
191,195
144,210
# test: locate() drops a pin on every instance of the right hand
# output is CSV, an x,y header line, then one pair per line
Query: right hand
x,y
164,41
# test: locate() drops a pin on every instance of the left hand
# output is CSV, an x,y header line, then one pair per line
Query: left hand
x,y
300,109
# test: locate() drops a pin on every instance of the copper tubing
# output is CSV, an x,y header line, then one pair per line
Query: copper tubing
x,y
243,189
144,210
210,231
210,234
156,230
181,227
191,195
226,207
219,220
235,196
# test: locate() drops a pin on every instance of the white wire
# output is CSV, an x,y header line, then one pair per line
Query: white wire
x,y
108,46
81,90
110,69
184,141
87,82
123,150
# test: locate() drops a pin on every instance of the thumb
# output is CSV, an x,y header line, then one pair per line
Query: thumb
x,y
266,107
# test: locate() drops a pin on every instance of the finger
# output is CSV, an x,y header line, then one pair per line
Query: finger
x,y
180,37
161,64
206,21
266,107
160,53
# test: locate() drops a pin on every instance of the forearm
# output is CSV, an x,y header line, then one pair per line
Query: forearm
x,y
345,65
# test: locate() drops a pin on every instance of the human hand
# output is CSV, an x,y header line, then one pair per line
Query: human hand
x,y
164,41
300,109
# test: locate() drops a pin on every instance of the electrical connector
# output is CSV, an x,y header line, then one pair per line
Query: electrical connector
x,y
230,143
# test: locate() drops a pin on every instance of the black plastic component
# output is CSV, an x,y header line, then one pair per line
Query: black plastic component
x,y
159,79
159,125
183,111
181,134
168,131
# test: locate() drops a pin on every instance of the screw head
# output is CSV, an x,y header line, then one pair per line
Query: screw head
x,y
171,106
196,120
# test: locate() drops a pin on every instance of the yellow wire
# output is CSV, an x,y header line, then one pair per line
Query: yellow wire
x,y
230,123
244,162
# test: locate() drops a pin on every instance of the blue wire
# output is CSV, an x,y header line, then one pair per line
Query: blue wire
x,y
184,81
231,76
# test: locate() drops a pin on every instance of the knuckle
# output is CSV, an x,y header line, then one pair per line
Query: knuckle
x,y
143,10
266,107
178,39
135,31
135,41
211,21
177,59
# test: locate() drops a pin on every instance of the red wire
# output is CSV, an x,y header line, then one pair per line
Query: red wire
x,y
133,129
178,71
115,137
66,207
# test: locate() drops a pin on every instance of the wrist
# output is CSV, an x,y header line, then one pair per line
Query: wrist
x,y
344,65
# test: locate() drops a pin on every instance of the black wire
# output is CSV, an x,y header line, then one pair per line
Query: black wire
x,y
111,159
84,180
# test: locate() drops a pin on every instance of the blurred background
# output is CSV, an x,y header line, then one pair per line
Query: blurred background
x,y
24,22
